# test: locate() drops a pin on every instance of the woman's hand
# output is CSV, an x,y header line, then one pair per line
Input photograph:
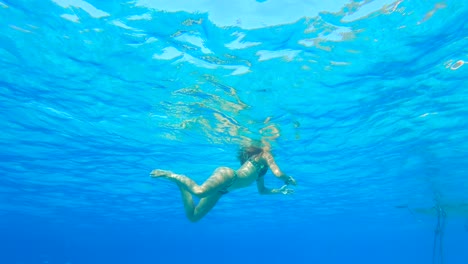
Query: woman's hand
x,y
285,190
290,180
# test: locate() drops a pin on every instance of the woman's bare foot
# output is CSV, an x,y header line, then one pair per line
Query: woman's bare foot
x,y
160,173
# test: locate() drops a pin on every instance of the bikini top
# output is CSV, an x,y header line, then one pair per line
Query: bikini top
x,y
259,166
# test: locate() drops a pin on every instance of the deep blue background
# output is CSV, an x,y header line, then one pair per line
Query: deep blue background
x,y
370,100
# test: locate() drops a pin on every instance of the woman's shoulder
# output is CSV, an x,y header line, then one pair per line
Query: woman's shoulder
x,y
265,154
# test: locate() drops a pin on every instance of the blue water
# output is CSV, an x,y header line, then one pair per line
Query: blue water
x,y
370,97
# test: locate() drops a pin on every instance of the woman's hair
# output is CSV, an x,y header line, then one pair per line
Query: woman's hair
x,y
247,151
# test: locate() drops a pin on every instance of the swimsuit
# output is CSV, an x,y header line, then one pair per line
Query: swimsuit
x,y
259,166
225,189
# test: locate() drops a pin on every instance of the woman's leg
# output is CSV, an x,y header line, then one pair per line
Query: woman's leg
x,y
187,198
221,178
195,213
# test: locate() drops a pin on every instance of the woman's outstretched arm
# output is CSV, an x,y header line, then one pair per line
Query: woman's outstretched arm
x,y
276,170
264,190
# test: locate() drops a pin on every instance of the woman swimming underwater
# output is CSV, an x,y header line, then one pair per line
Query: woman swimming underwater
x,y
255,161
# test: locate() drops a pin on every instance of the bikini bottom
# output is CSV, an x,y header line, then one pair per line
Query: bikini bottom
x,y
225,189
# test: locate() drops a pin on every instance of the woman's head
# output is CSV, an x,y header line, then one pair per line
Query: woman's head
x,y
247,150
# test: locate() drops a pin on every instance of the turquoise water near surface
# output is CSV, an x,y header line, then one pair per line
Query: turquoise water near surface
x,y
370,99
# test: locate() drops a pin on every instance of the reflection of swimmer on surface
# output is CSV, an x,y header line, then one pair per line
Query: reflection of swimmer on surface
x,y
255,159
